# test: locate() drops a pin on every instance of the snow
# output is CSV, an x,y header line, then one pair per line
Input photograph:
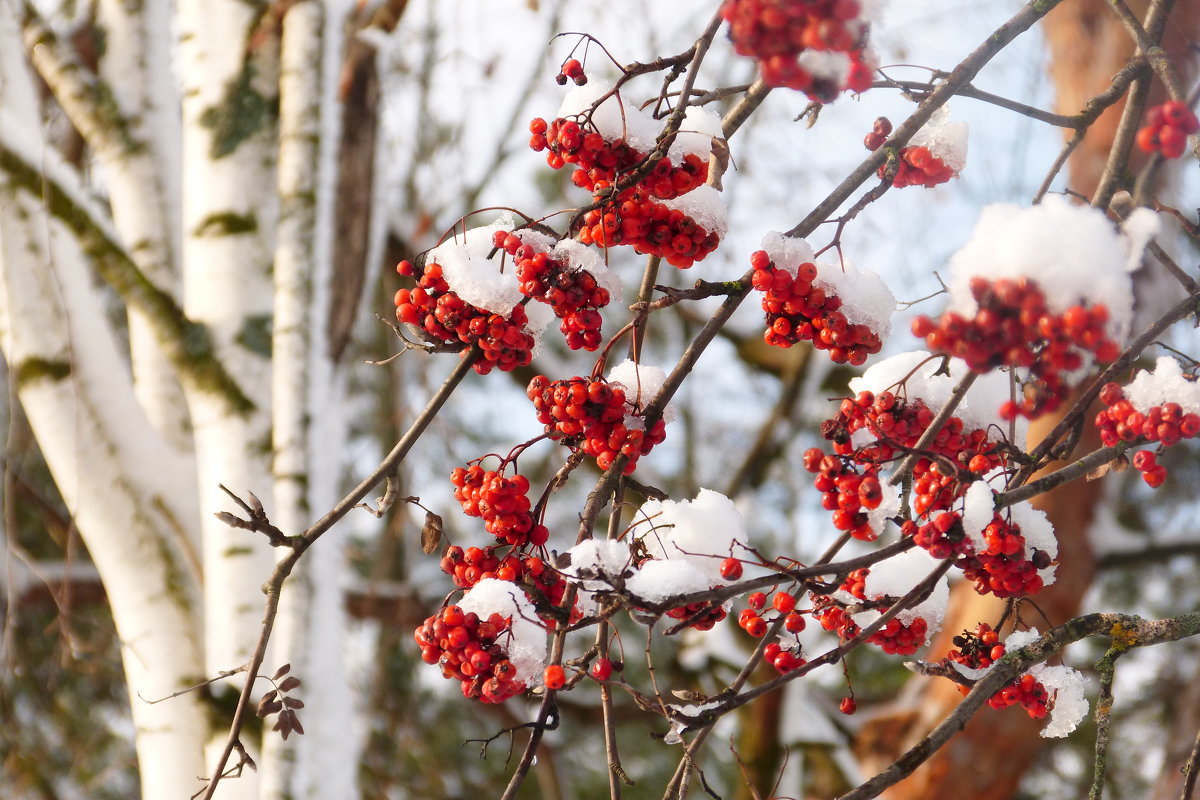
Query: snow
x,y
699,533
1065,687
830,65
945,140
526,647
928,382
889,506
642,383
787,252
979,509
866,299
595,557
1140,227
699,127
658,580
1165,384
1071,251
614,118
580,256
1018,639
472,275
706,206
1035,528
899,575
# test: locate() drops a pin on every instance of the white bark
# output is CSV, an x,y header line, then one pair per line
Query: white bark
x,y
310,626
114,112
117,477
229,83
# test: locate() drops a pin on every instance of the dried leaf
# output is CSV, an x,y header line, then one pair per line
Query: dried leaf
x,y
431,533
293,702
289,683
267,709
279,673
296,726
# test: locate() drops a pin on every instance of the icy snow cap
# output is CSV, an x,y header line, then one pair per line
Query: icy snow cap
x,y
658,580
706,206
1166,384
615,118
1065,687
866,299
642,383
597,557
944,139
588,259
899,575
928,382
526,647
699,533
472,275
1072,251
699,127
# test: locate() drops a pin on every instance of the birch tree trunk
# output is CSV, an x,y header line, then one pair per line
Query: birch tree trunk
x,y
118,478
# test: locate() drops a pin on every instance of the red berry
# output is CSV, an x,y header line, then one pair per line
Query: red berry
x,y
731,569
848,706
601,670
554,677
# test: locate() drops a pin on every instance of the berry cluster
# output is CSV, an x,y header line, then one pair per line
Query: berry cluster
x,y
1167,128
502,503
979,649
1013,327
798,310
1003,569
1166,424
701,615
469,650
783,659
651,228
942,536
572,293
918,166
446,317
896,425
593,417
845,491
572,69
599,162
778,33
894,638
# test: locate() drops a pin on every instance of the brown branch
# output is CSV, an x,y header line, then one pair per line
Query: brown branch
x,y
1127,630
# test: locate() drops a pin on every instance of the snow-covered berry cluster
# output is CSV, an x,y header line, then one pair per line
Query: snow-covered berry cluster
x,y
443,315
841,309
1014,327
1006,567
814,46
469,650
917,165
572,281
894,638
978,650
1160,406
671,230
1167,128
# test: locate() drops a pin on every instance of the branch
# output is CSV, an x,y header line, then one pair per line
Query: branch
x,y
1126,631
